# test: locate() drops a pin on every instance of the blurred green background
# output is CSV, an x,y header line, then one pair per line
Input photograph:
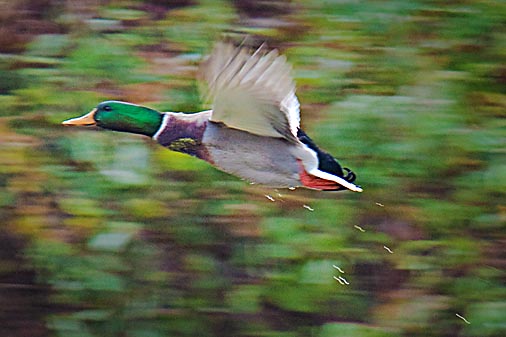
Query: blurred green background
x,y
108,234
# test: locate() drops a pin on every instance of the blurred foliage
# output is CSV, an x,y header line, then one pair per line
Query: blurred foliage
x,y
107,234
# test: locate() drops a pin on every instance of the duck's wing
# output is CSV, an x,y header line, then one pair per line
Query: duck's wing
x,y
252,91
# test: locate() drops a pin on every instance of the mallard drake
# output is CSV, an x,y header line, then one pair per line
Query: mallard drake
x,y
252,130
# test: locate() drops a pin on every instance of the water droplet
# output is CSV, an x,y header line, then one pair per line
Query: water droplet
x,y
270,198
308,208
388,249
462,318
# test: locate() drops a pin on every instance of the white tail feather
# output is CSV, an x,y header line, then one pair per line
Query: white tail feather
x,y
339,180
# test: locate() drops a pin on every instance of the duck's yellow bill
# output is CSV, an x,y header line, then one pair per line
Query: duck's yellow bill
x,y
87,119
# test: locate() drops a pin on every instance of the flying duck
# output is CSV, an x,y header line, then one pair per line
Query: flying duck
x,y
253,130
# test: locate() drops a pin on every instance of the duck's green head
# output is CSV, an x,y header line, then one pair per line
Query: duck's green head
x,y
121,116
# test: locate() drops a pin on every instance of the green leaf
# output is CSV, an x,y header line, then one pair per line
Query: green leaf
x,y
114,242
486,318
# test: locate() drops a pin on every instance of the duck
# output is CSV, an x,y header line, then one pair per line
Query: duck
x,y
252,130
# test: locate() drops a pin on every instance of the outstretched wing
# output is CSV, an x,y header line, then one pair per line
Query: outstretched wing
x,y
252,91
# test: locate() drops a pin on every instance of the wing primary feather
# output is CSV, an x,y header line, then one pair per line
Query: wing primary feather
x,y
252,90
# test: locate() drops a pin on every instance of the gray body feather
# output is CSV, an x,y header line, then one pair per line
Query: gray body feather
x,y
262,160
257,159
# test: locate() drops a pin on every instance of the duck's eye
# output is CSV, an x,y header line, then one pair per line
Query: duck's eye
x,y
107,108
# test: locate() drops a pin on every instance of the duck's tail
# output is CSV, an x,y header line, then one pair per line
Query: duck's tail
x,y
329,175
